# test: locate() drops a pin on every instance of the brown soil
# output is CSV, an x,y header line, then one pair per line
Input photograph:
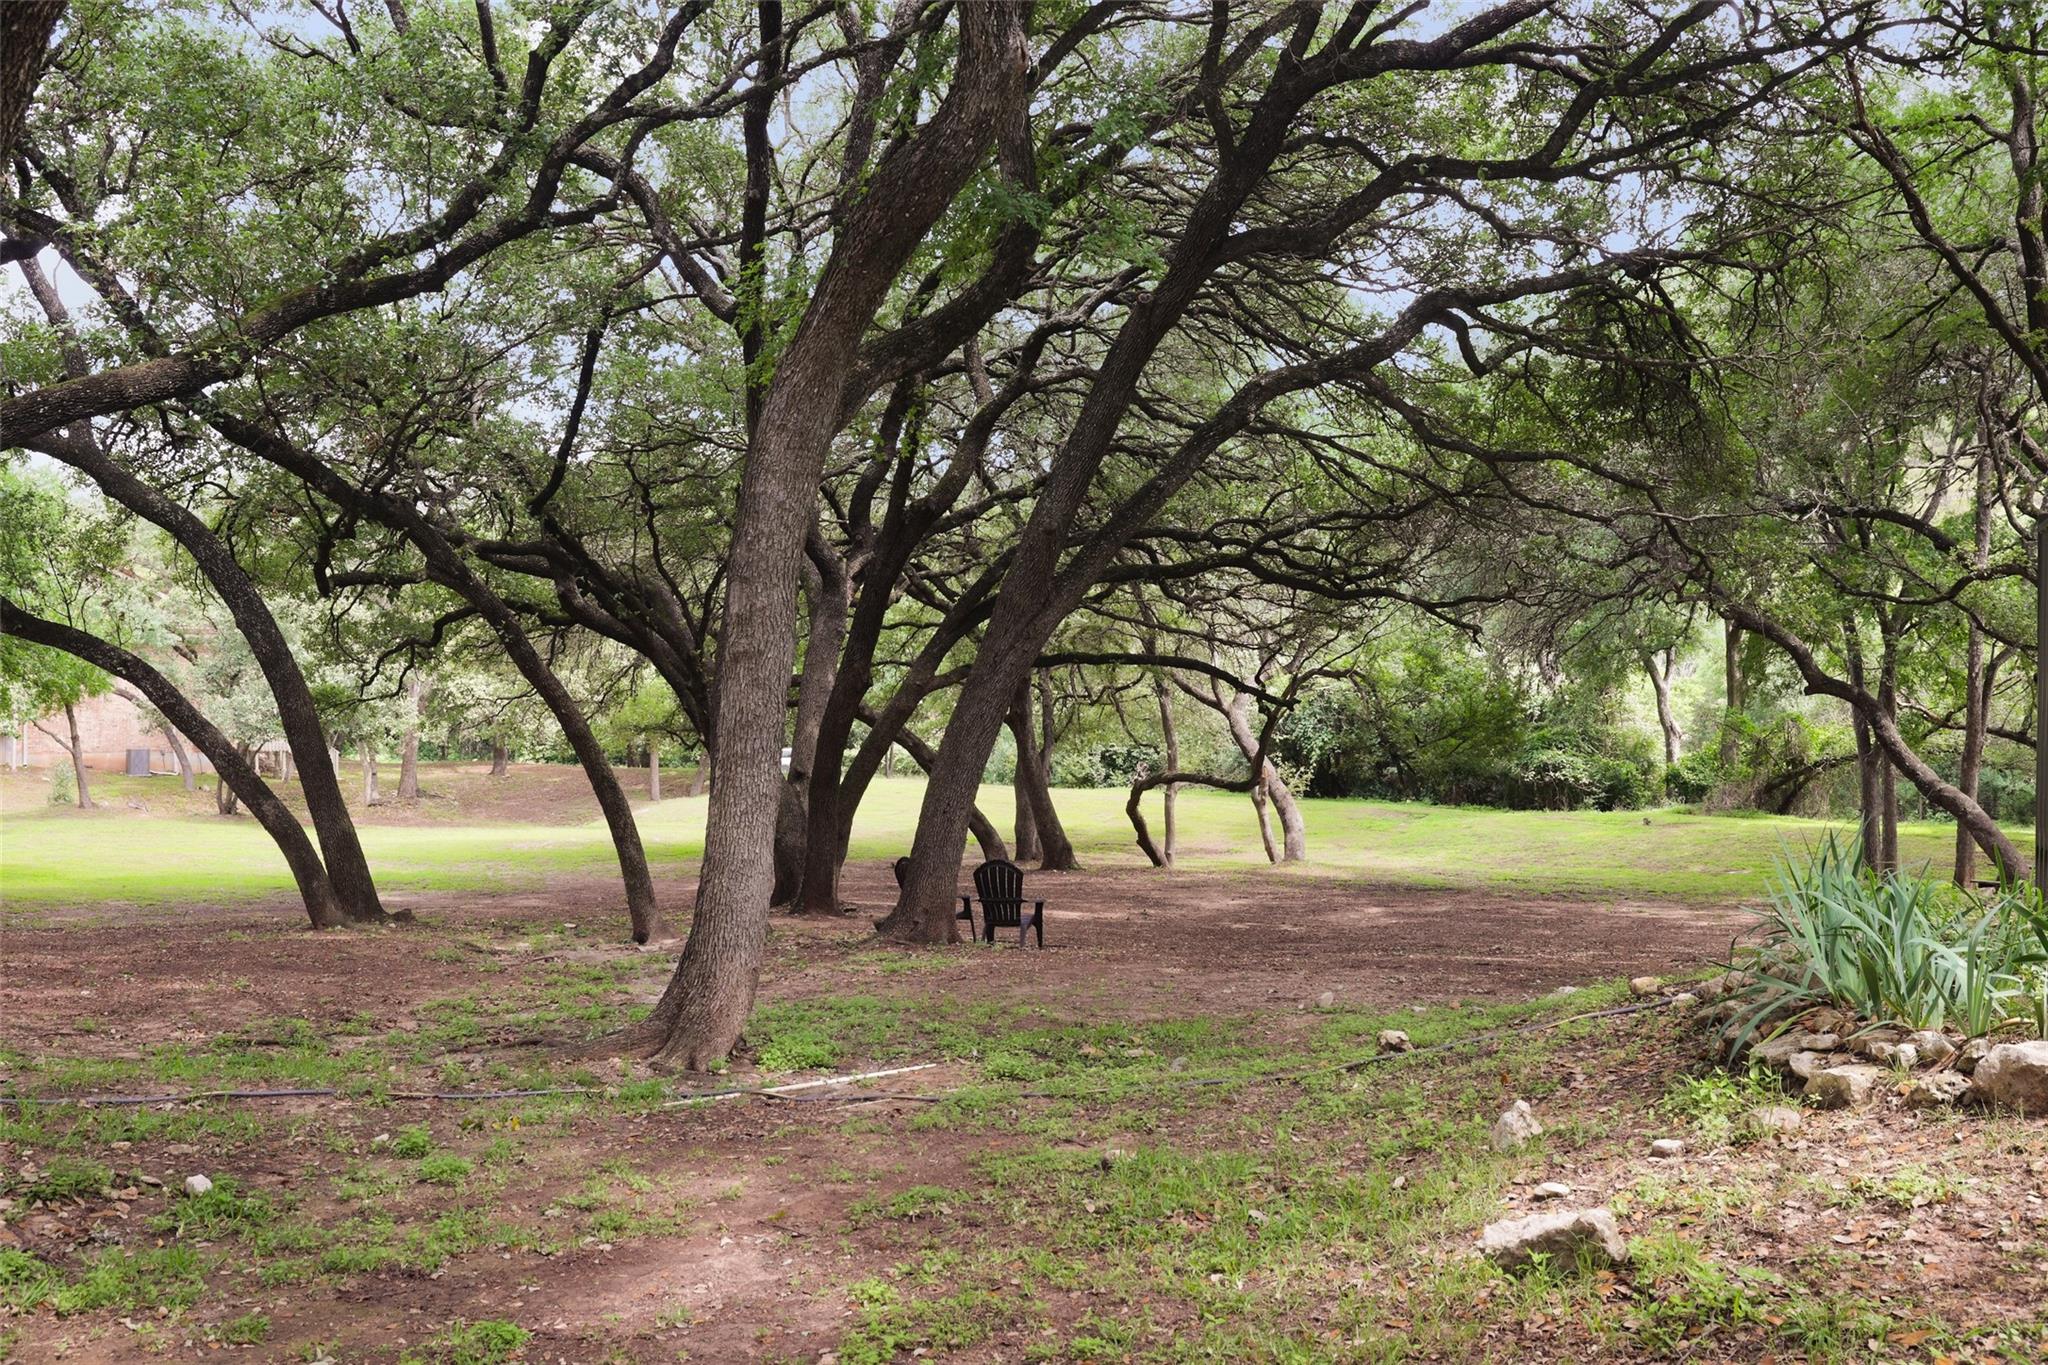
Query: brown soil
x,y
762,1248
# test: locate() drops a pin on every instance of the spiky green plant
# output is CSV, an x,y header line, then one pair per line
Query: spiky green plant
x,y
1898,948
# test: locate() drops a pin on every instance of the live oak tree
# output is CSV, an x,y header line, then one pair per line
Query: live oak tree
x,y
1289,191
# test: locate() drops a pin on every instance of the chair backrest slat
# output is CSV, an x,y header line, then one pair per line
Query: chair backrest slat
x,y
1000,884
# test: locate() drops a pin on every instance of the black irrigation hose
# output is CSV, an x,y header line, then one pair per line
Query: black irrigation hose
x,y
864,1097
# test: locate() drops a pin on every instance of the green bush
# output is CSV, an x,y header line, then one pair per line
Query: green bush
x,y
63,784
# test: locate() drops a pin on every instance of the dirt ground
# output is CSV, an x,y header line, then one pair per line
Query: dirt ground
x,y
1122,943
747,1229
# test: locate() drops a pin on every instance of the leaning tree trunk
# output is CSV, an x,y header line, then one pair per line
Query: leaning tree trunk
x,y
1271,785
232,769
986,837
186,776
1055,851
1884,733
909,188
1660,670
348,871
77,757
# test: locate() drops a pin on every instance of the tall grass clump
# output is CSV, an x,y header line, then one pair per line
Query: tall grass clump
x,y
1901,949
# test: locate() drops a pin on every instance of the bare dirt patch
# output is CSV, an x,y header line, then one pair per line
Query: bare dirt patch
x,y
780,1230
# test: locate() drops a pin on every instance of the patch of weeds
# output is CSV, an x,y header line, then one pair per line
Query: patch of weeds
x,y
220,1209
1690,1291
443,1168
67,1178
1718,1103
166,1277
472,1343
362,1183
919,1201
251,1329
1908,1187
412,1142
891,1325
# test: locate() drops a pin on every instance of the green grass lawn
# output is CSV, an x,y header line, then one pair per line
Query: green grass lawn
x,y
55,856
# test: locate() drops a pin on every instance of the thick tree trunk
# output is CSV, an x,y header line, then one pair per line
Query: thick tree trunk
x,y
25,29
230,768
84,793
713,989
1025,825
986,838
409,750
501,756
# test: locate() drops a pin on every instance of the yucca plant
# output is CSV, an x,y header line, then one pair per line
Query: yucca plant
x,y
1898,949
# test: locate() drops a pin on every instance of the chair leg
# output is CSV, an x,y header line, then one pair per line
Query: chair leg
x,y
1038,923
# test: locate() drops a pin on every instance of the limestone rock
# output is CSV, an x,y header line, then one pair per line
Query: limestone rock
x,y
1515,1127
1562,1236
1932,1045
1972,1053
1807,1065
1646,985
1776,1118
1551,1189
1844,1087
1937,1090
2013,1076
1666,1149
196,1185
1394,1040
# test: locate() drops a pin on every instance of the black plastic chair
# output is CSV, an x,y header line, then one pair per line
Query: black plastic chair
x,y
1001,886
903,870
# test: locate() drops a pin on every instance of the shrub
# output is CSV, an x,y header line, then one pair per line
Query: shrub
x,y
63,784
1898,949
